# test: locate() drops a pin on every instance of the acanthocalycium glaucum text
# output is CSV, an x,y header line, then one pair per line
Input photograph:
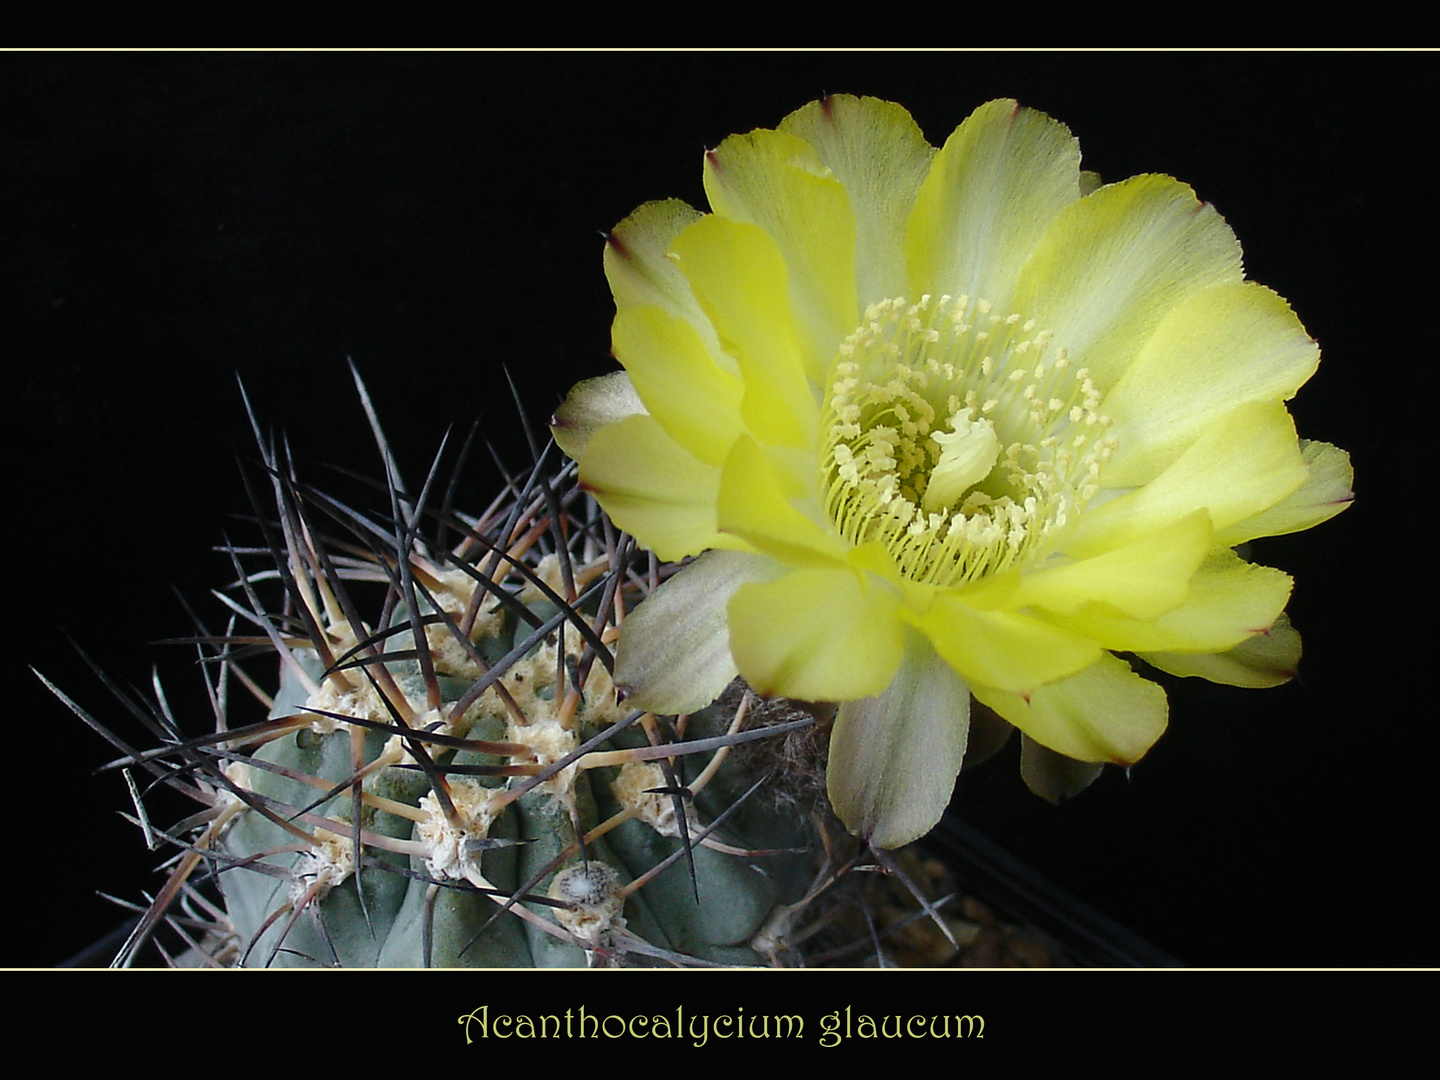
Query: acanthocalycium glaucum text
x,y
699,1028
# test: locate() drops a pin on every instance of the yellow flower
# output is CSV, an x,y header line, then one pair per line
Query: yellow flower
x,y
947,423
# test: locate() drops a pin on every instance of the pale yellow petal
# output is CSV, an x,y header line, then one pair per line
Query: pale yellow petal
x,y
1230,600
777,181
652,487
1005,649
1143,579
694,400
641,272
1243,464
878,153
1104,713
818,634
894,757
1219,348
992,190
1266,659
758,500
1325,492
1112,265
739,277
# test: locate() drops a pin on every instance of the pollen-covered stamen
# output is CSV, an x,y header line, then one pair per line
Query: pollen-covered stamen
x,y
954,440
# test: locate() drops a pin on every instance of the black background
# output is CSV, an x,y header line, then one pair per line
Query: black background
x,y
171,221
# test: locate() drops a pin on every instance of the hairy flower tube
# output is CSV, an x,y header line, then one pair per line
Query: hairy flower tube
x,y
942,425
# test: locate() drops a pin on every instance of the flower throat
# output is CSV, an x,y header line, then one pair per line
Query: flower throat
x,y
953,440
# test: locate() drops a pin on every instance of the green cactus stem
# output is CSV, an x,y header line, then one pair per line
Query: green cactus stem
x,y
441,773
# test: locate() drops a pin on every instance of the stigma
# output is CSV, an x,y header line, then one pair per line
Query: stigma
x,y
957,438
967,454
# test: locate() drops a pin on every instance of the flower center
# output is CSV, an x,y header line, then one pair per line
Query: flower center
x,y
954,440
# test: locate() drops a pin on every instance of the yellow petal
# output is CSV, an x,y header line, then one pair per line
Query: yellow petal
x,y
1266,659
758,500
1005,649
818,634
694,400
1220,348
641,272
878,153
894,757
739,277
652,487
1143,579
1325,492
992,189
776,181
1113,264
1104,713
1244,463
1230,600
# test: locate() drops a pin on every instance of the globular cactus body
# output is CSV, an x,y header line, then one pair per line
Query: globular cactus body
x,y
525,847
445,775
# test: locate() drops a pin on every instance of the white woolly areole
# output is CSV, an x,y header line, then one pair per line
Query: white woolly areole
x,y
531,682
656,810
550,742
594,890
449,655
453,591
332,697
601,706
446,853
327,864
226,801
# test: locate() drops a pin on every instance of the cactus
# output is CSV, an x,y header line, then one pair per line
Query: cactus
x,y
482,799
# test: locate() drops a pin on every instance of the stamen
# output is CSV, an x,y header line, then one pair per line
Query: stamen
x,y
960,450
